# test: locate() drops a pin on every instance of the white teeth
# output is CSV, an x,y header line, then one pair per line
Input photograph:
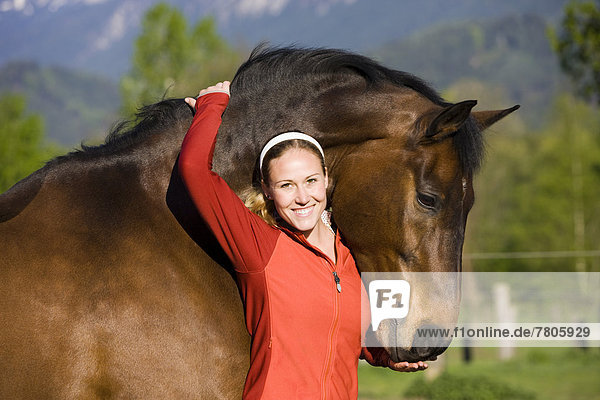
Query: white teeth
x,y
303,211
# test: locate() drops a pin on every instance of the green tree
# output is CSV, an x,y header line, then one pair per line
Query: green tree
x,y
171,58
577,44
538,192
22,145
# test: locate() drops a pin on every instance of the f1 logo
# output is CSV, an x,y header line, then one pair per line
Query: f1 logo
x,y
389,299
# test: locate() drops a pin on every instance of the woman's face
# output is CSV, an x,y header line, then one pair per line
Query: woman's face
x,y
298,186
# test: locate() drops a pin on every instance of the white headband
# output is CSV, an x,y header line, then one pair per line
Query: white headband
x,y
288,136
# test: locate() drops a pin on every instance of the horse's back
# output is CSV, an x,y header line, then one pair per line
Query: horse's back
x,y
103,295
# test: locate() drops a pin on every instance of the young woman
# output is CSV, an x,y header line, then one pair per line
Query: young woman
x,y
299,283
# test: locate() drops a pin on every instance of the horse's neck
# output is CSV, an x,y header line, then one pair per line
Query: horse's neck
x,y
246,127
247,124
252,118
148,163
157,159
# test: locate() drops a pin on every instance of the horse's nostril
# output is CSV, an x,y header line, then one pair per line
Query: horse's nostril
x,y
415,354
398,354
429,341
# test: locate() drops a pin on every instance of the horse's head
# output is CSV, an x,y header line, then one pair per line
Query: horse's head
x,y
401,198
400,160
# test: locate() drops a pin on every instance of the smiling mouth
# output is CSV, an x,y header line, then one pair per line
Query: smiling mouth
x,y
303,212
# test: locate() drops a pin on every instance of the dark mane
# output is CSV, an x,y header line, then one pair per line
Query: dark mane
x,y
268,65
149,121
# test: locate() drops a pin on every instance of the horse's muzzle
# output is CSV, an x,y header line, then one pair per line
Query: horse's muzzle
x,y
428,342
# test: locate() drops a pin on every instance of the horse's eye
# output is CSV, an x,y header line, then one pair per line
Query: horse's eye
x,y
426,200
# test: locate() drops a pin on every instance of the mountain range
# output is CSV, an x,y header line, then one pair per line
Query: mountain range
x,y
68,49
97,35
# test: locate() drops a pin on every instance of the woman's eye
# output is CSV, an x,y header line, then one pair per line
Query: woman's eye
x,y
426,200
312,180
285,185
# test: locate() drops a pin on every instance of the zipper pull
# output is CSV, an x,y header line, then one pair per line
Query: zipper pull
x,y
337,282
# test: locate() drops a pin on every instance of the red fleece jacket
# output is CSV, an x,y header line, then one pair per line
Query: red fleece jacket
x,y
306,336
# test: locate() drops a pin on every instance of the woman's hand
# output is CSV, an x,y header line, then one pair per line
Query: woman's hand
x,y
221,87
379,357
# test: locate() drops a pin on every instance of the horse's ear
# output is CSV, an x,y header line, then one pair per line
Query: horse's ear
x,y
449,120
487,118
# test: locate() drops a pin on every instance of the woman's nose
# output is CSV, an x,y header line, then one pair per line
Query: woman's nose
x,y
302,196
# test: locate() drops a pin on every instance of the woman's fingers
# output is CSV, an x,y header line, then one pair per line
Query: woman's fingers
x,y
408,367
222,87
191,101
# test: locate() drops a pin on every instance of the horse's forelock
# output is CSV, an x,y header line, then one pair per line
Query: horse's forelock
x,y
469,143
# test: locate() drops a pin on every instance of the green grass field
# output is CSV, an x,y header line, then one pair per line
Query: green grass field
x,y
539,373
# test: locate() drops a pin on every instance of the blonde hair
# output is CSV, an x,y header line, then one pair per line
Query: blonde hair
x,y
255,201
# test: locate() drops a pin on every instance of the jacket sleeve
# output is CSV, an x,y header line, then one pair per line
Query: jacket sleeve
x,y
247,240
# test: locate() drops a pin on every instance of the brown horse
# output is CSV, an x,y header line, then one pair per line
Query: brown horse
x,y
111,285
